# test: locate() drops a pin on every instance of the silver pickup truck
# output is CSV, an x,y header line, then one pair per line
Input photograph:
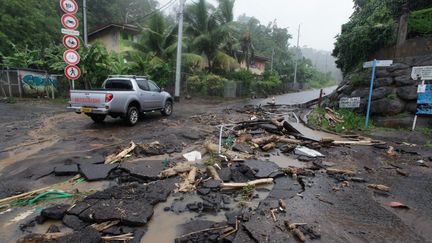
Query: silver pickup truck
x,y
121,96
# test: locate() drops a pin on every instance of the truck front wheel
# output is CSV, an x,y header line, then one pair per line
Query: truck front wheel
x,y
168,109
132,116
98,118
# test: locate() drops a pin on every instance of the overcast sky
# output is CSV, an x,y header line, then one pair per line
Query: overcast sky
x,y
320,20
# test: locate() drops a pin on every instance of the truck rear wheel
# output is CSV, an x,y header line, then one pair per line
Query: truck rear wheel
x,y
132,116
98,118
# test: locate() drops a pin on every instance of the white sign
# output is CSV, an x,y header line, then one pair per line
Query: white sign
x,y
70,32
423,73
379,63
69,6
346,102
71,57
69,21
72,72
421,88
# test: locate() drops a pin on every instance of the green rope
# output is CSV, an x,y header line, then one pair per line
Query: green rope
x,y
42,196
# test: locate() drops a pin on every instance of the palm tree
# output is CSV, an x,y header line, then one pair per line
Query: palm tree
x,y
210,29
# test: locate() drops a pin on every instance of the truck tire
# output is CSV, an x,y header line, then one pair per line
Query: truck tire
x,y
168,109
132,116
98,118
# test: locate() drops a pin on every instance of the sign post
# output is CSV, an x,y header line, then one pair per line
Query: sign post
x,y
424,92
373,64
70,41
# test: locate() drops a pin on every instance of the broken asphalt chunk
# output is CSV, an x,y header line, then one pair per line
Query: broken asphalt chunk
x,y
55,212
95,172
65,170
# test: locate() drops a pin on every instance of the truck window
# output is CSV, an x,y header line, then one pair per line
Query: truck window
x,y
142,84
153,86
118,84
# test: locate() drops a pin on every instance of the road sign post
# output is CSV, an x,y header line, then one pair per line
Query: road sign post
x,y
373,64
70,41
424,92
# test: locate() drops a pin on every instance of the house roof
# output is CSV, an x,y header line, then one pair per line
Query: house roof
x,y
128,27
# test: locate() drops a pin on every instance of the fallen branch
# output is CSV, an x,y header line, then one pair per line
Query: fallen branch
x,y
275,139
269,146
125,237
250,183
188,184
202,231
379,187
179,168
340,171
211,171
113,158
40,238
105,225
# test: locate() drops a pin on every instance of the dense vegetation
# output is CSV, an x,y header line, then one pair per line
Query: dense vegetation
x,y
214,45
373,25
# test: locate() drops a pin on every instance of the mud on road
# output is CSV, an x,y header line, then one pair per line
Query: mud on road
x,y
42,145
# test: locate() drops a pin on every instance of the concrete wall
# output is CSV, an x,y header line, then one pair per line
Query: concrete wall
x,y
27,83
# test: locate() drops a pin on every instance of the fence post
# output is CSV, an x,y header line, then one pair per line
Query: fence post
x,y
19,83
9,83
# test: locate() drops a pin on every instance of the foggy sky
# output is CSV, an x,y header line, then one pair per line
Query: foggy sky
x,y
320,20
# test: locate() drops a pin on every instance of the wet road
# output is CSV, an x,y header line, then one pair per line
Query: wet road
x,y
297,98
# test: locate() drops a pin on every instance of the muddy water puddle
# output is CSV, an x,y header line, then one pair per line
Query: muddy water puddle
x,y
164,225
285,161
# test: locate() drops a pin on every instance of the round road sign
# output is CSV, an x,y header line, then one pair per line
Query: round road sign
x,y
72,72
69,6
69,21
71,57
70,42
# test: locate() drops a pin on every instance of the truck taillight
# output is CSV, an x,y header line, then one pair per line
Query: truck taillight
x,y
108,97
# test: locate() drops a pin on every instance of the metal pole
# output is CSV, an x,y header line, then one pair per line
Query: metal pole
x,y
19,83
179,52
297,55
85,22
415,117
370,93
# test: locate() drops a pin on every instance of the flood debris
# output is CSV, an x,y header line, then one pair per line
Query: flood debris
x,y
305,151
379,187
192,156
397,205
117,157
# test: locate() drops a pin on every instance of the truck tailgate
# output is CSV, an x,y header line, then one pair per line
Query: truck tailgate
x,y
87,98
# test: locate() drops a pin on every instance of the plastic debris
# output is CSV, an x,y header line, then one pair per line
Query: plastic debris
x,y
301,150
193,156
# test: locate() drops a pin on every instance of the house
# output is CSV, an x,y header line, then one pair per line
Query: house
x,y
115,37
257,65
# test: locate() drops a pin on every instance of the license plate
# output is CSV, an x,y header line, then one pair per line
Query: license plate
x,y
86,110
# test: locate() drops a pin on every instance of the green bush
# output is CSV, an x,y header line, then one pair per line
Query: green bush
x,y
206,85
351,121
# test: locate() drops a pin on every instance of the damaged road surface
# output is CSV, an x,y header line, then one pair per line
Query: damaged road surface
x,y
210,173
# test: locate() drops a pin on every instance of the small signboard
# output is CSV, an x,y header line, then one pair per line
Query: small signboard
x,y
346,102
424,100
69,21
423,73
69,6
72,72
70,32
379,63
71,57
70,42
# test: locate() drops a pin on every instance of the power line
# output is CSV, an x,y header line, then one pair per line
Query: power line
x,y
162,8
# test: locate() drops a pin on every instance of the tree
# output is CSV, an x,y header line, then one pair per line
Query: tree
x,y
210,28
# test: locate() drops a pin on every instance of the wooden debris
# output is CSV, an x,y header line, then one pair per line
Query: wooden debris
x,y
250,183
125,238
340,171
113,158
391,152
293,228
213,148
275,139
299,235
202,231
360,143
211,171
231,231
105,225
278,122
282,204
272,211
291,170
40,238
401,172
379,187
269,146
178,169
188,184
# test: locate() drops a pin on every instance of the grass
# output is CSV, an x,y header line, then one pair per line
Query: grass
x,y
428,144
246,195
351,121
212,159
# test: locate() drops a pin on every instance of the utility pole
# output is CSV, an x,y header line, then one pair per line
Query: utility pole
x,y
272,59
85,23
179,52
297,56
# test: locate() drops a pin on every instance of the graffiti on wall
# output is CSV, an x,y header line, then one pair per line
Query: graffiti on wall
x,y
38,83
